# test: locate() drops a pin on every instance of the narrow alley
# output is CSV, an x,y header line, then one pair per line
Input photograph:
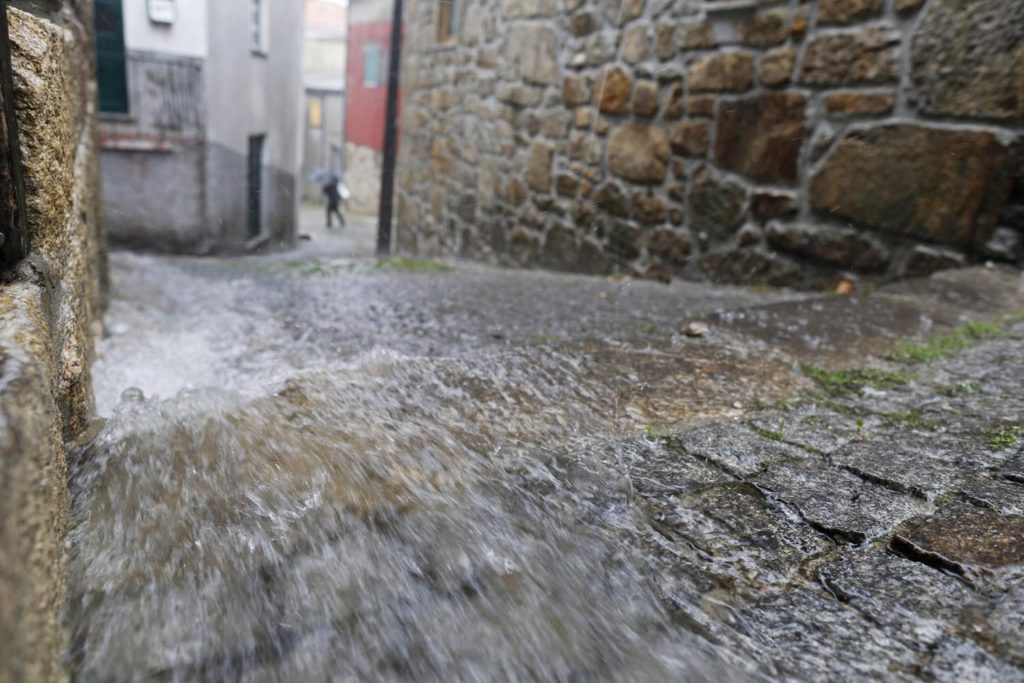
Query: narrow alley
x,y
473,341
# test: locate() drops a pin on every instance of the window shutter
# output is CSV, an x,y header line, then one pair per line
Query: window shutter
x,y
111,66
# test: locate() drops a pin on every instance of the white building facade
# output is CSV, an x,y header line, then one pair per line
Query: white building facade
x,y
201,118
323,73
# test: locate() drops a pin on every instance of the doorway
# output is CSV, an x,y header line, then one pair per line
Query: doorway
x,y
256,144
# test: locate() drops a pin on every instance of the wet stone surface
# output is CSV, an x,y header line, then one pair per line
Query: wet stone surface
x,y
838,503
929,610
736,449
1013,469
808,632
1004,497
427,474
656,469
963,538
744,542
908,597
811,428
923,464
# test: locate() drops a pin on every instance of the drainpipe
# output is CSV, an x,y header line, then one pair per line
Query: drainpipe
x,y
387,176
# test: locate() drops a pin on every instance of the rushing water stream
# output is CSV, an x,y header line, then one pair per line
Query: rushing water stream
x,y
363,475
393,519
394,516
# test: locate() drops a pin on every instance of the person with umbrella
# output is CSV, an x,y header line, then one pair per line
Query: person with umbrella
x,y
332,189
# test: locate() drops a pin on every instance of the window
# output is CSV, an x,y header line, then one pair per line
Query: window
x,y
372,65
111,66
445,21
255,206
256,19
316,112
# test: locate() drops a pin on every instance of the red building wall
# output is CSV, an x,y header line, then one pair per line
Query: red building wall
x,y
366,105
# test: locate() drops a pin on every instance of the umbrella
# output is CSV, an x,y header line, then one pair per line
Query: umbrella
x,y
323,176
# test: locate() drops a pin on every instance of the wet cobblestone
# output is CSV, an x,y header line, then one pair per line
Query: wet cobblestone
x,y
805,531
924,507
737,450
846,507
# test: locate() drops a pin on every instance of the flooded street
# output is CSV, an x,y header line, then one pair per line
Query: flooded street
x,y
473,341
325,468
241,323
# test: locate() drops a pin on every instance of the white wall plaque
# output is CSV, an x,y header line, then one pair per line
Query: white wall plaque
x,y
161,11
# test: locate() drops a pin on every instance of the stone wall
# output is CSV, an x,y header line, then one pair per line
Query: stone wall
x,y
48,306
362,178
785,142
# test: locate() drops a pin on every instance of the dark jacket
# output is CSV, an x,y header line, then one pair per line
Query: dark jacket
x,y
331,190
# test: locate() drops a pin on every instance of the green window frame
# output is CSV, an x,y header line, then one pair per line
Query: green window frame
x,y
111,62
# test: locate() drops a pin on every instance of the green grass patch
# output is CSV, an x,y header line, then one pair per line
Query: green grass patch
x,y
309,268
909,418
842,382
405,264
932,349
656,435
1005,437
958,389
777,434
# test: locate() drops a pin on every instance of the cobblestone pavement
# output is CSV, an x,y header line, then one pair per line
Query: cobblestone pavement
x,y
706,483
357,239
870,528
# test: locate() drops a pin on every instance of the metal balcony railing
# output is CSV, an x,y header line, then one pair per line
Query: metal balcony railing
x,y
165,95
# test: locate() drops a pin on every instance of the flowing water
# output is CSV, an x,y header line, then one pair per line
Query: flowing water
x,y
393,519
321,470
386,516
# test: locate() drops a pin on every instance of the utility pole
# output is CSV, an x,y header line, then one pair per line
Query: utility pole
x,y
387,176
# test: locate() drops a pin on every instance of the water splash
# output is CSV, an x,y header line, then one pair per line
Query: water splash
x,y
393,519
